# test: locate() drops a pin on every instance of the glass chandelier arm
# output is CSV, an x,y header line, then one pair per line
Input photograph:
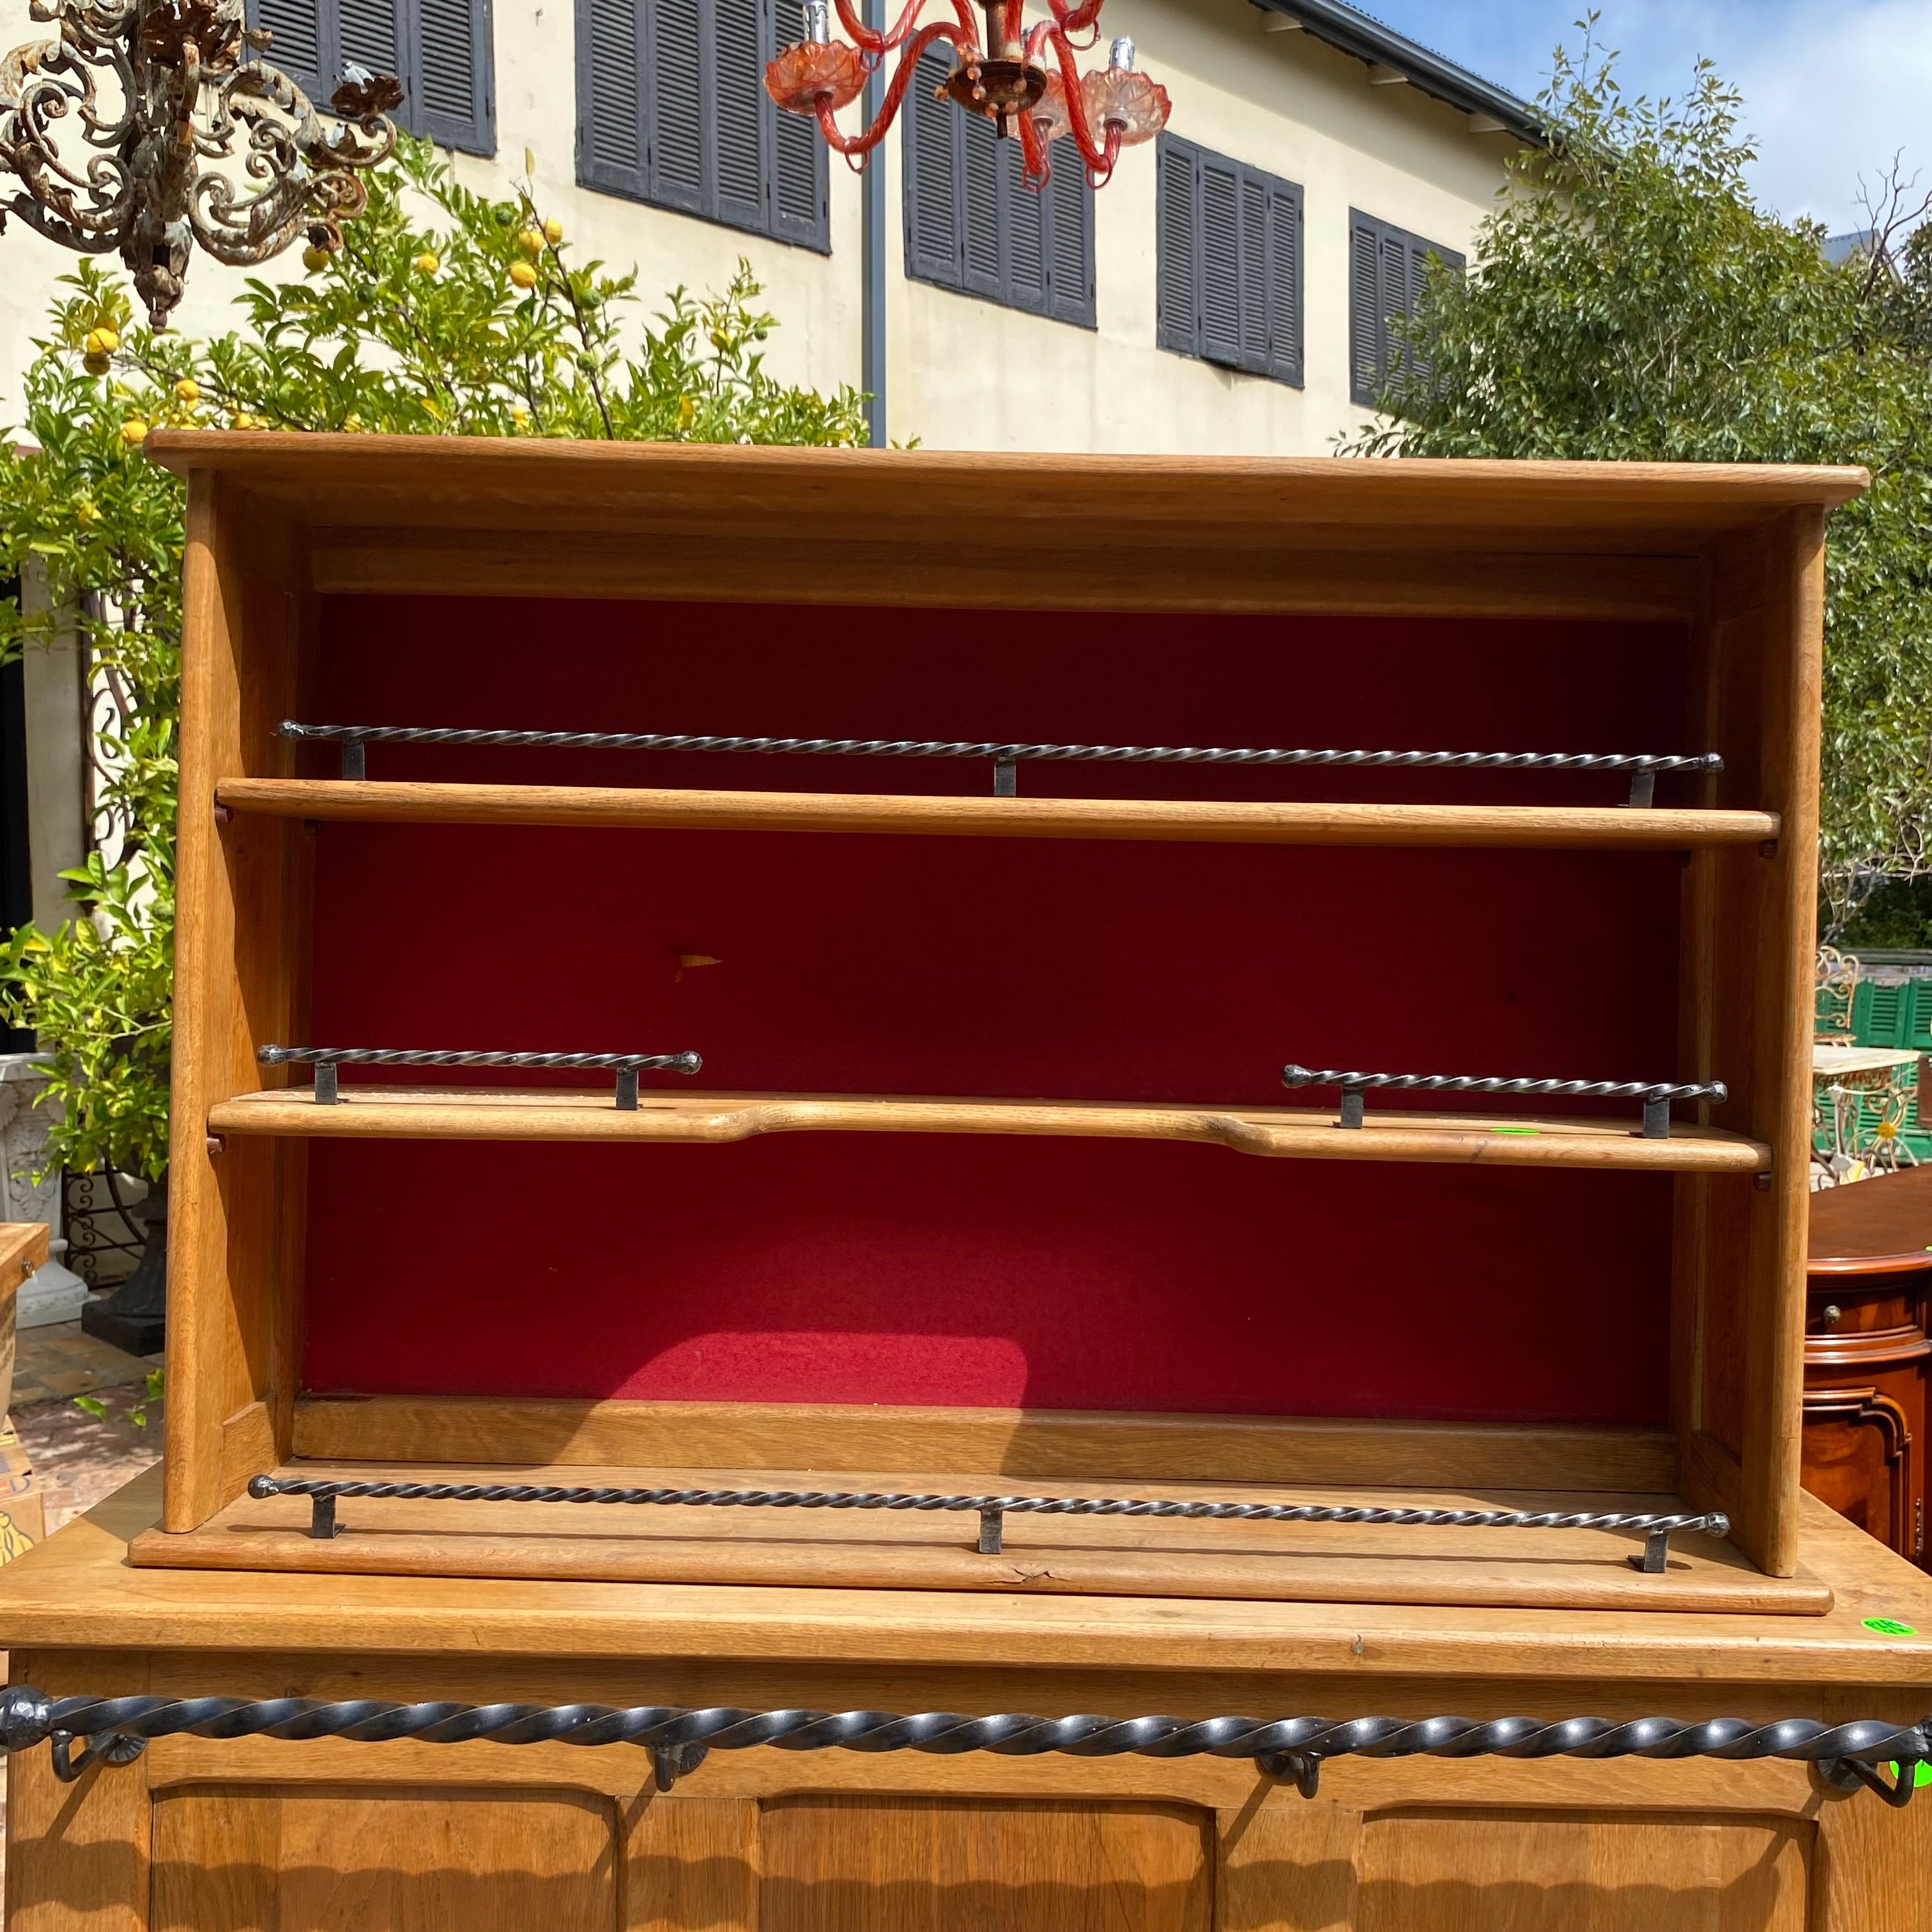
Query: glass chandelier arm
x,y
1032,148
869,41
1099,155
1082,19
860,145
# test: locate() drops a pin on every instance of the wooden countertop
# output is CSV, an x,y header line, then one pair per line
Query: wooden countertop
x,y
1879,1226
77,1591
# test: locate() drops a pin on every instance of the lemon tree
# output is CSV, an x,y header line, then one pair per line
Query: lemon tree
x,y
442,314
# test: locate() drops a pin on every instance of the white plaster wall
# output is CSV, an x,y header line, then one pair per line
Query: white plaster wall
x,y
965,373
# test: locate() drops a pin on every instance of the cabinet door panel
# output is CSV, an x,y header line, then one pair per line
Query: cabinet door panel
x,y
1573,1872
835,1864
319,1858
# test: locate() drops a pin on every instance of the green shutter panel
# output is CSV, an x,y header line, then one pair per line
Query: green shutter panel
x,y
1177,247
1884,1017
1283,279
929,154
455,70
1069,224
610,99
1368,334
675,69
296,48
981,186
800,196
1220,260
737,94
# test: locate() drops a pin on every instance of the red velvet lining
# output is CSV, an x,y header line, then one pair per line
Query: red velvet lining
x,y
1078,1274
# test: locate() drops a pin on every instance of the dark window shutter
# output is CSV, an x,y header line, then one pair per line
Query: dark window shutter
x,y
1069,220
1023,227
980,180
297,48
1388,268
1284,282
1254,272
455,72
737,90
673,115
610,101
1367,332
1177,247
801,210
1220,260
369,34
929,154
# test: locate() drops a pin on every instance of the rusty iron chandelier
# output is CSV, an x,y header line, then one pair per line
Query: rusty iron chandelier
x,y
185,95
1020,78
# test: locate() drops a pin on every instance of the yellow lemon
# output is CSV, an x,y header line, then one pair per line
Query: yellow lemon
x,y
426,263
134,432
351,422
243,420
519,414
552,232
531,242
102,341
523,274
687,412
188,390
86,513
314,260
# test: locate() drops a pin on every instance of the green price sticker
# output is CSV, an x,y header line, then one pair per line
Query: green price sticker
x,y
1890,1627
1922,1773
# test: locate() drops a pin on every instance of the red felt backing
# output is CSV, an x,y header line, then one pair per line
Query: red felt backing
x,y
1048,1272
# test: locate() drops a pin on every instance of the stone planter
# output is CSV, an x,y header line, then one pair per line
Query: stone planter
x,y
54,1293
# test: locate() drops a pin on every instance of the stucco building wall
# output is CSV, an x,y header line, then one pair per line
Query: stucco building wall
x,y
965,374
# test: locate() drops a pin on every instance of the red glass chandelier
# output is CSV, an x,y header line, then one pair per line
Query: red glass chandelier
x,y
1017,76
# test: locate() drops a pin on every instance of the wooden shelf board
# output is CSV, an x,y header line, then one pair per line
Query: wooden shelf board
x,y
1084,1556
455,1113
1204,821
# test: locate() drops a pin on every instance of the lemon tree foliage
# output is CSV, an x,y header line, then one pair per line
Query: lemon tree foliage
x,y
443,314
1626,299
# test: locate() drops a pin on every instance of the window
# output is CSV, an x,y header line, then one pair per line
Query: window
x,y
1387,268
972,225
671,108
438,50
1228,249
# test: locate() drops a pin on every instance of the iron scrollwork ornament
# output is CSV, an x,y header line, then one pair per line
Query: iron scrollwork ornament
x,y
152,97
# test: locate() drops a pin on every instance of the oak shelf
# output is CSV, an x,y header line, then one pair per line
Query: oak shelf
x,y
452,1113
1206,821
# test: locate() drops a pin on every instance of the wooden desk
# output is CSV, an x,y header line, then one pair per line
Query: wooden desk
x,y
1868,1274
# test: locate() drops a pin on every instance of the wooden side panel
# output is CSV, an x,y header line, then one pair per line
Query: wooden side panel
x,y
691,1864
236,1225
844,1864
1766,629
313,1859
1557,1872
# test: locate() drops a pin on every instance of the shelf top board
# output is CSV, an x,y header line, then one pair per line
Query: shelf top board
x,y
336,480
78,1591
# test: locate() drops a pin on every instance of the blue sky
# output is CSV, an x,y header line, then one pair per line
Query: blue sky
x,y
1832,89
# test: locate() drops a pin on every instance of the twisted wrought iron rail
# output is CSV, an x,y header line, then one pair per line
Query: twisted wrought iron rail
x,y
326,1059
1656,1096
1643,766
1657,1529
114,1730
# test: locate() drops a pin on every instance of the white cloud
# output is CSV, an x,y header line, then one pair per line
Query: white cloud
x,y
1832,89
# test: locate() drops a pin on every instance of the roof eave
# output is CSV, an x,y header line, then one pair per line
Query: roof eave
x,y
1350,32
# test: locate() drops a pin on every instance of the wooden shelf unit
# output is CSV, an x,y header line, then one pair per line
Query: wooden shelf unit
x,y
1599,828
290,538
1391,1134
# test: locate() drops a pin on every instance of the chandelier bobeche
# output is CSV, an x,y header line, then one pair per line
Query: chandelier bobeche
x,y
1027,78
